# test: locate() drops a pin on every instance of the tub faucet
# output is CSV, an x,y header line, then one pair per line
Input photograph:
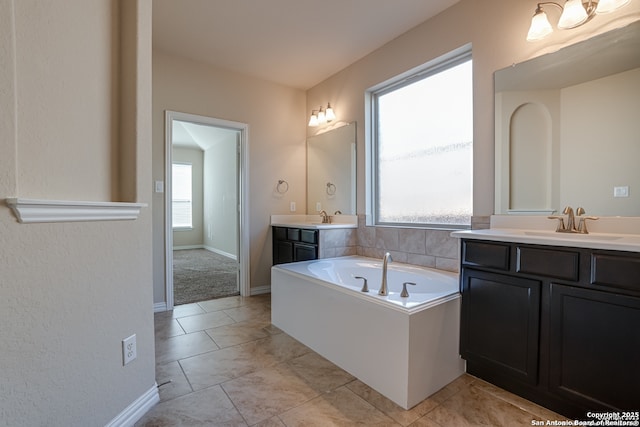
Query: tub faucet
x,y
385,260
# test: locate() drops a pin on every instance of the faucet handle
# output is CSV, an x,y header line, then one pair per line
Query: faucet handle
x,y
560,219
582,225
365,288
404,293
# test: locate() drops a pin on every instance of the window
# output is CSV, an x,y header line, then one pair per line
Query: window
x,y
181,195
421,146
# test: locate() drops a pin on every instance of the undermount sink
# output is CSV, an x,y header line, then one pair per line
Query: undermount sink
x,y
558,235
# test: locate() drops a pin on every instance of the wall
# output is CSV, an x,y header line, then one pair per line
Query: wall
x,y
276,116
599,113
72,291
221,197
195,236
497,31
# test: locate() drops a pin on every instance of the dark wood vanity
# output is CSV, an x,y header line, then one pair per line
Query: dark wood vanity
x,y
292,244
557,325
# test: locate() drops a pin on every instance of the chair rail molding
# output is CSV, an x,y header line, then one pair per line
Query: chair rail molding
x,y
40,210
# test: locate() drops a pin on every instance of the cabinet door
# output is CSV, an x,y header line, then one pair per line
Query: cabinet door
x,y
500,324
282,252
303,252
595,348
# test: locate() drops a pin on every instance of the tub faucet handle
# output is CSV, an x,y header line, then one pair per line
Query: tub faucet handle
x,y
365,287
404,293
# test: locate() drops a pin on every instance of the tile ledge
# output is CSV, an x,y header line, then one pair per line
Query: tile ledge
x,y
41,210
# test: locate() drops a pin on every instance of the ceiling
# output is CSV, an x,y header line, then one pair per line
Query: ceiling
x,y
203,137
297,43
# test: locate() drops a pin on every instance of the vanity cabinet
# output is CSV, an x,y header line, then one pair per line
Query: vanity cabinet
x,y
294,244
557,325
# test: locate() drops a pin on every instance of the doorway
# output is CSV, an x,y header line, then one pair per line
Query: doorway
x,y
206,232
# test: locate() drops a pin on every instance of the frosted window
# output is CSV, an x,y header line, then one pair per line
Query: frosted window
x,y
424,143
181,195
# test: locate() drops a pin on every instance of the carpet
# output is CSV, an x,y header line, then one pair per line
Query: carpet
x,y
200,275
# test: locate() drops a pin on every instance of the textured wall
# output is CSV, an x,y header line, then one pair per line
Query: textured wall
x,y
70,292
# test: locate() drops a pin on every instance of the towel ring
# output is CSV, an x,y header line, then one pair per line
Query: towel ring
x,y
282,187
331,188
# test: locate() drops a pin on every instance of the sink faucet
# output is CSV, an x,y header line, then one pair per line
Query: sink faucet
x,y
385,260
571,221
325,217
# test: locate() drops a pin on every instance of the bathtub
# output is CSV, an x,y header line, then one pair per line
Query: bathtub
x,y
404,348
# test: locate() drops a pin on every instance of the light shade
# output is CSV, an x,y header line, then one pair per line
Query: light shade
x,y
313,121
329,114
606,6
574,14
322,119
540,26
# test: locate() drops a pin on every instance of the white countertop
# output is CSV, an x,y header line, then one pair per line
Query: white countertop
x,y
314,222
609,233
609,241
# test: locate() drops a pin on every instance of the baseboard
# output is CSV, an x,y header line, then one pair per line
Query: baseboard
x,y
220,252
137,409
185,247
259,290
159,307
209,248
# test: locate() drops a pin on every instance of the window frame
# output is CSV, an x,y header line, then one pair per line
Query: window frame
x,y
430,68
181,227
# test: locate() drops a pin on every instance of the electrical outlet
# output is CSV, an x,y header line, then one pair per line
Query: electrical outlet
x,y
318,206
292,206
129,350
159,186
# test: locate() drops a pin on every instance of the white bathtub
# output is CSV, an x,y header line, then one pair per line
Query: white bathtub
x,y
404,348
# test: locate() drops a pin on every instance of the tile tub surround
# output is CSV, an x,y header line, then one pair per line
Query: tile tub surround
x,y
418,246
240,370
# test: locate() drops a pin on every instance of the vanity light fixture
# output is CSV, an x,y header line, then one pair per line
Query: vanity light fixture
x,y
574,14
322,116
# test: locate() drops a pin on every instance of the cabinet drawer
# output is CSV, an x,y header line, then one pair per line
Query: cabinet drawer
x,y
548,262
304,252
293,234
616,271
280,233
309,236
483,254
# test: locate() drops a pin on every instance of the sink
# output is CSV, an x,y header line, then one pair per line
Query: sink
x,y
572,236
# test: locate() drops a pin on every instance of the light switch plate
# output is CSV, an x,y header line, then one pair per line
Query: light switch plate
x,y
622,191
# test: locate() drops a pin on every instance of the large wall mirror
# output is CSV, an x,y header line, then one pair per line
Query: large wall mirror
x,y
331,171
568,129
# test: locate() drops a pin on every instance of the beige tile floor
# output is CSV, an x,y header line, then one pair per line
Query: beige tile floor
x,y
222,363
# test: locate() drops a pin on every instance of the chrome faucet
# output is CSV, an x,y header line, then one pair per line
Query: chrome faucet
x,y
325,217
383,287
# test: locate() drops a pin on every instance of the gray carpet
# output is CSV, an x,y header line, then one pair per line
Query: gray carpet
x,y
200,275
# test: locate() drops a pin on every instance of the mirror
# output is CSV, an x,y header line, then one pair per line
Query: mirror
x,y
331,171
568,129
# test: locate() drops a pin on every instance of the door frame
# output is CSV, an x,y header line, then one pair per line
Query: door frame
x,y
243,198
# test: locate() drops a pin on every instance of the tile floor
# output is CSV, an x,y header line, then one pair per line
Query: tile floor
x,y
222,363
